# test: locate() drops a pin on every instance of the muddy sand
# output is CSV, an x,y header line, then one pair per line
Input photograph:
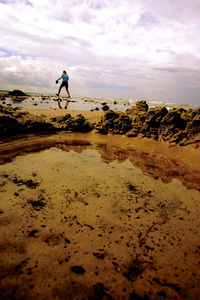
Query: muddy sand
x,y
90,216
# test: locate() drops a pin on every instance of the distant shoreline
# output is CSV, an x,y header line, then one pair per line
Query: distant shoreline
x,y
49,101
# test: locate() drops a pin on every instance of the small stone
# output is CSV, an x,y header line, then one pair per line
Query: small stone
x,y
78,270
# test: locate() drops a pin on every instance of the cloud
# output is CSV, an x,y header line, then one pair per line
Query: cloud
x,y
143,50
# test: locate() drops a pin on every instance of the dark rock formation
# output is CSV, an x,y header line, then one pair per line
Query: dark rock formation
x,y
37,126
17,93
141,105
9,126
13,122
178,126
77,123
112,122
105,107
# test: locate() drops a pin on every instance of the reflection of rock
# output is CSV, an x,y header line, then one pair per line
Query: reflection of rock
x,y
151,164
17,96
40,145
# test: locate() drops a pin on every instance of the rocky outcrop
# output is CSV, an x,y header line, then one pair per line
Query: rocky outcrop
x,y
9,126
69,123
13,122
112,122
17,93
178,126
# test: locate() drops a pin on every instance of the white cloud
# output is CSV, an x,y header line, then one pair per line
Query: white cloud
x,y
110,48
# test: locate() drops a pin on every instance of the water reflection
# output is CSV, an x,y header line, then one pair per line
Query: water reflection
x,y
151,164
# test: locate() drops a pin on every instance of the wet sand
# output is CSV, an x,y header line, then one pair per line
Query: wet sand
x,y
87,216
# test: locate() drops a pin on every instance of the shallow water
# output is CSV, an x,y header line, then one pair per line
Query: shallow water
x,y
124,215
87,103
76,103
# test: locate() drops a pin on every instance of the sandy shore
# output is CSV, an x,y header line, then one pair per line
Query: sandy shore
x,y
99,216
89,216
92,116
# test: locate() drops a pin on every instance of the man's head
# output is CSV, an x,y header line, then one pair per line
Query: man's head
x,y
64,72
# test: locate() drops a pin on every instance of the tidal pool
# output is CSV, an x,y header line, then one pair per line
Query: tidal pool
x,y
92,217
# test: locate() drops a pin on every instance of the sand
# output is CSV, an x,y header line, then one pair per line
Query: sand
x,y
88,216
92,116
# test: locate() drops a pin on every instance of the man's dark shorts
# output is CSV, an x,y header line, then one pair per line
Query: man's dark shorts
x,y
64,83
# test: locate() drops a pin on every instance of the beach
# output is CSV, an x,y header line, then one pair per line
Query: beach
x,y
95,207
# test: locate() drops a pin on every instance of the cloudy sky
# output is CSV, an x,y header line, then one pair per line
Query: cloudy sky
x,y
133,49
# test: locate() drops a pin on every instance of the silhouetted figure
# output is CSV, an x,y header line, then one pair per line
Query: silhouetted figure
x,y
64,83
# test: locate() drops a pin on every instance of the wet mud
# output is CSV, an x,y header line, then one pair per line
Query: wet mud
x,y
88,217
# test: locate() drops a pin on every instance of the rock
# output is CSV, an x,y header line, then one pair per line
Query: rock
x,y
33,233
37,205
105,108
112,122
140,108
141,105
174,126
152,121
154,117
18,99
78,270
37,126
3,98
61,119
17,93
67,241
78,124
173,118
178,126
9,126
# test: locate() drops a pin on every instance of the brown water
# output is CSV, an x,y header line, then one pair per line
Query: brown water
x,y
128,219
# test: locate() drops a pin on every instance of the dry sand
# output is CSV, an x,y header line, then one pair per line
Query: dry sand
x,y
87,216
